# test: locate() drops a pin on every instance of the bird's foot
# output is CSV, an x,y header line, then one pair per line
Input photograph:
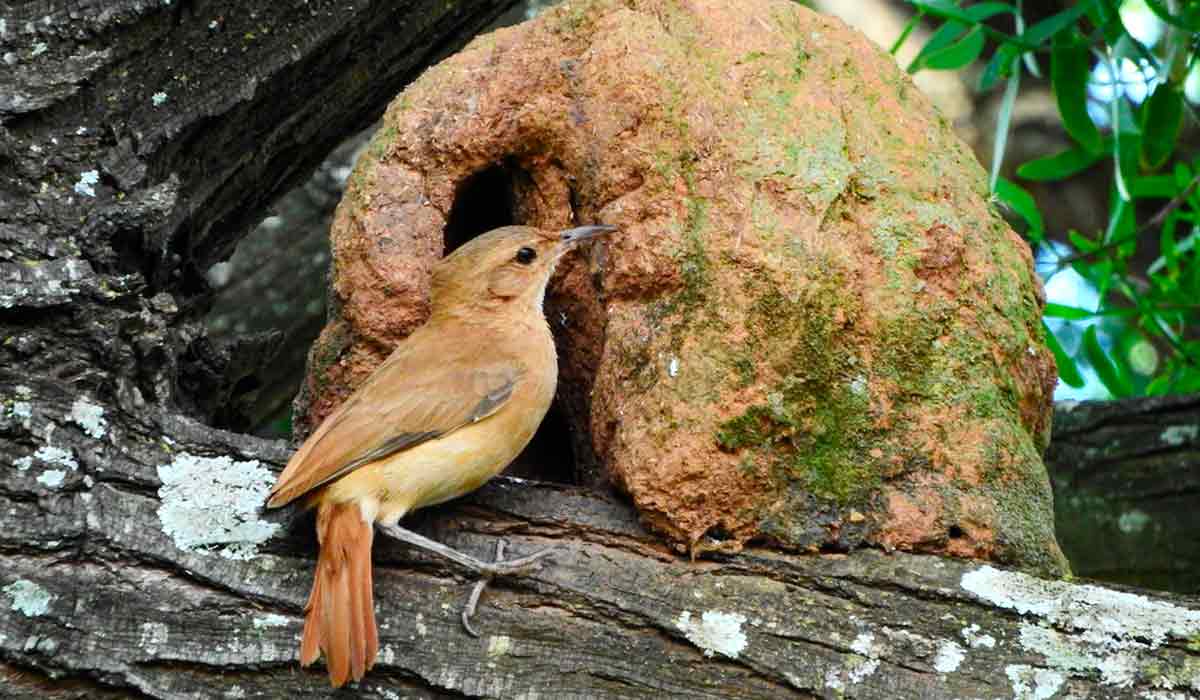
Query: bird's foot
x,y
488,570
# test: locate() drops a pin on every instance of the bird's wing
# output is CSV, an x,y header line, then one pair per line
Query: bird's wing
x,y
414,396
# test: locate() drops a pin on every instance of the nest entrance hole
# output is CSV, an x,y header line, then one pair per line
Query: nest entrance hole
x,y
486,200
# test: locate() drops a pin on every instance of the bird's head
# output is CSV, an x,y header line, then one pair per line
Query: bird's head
x,y
508,265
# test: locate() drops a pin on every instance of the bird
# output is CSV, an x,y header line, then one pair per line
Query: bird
x,y
452,405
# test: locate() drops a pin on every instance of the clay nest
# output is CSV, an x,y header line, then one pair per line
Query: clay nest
x,y
813,330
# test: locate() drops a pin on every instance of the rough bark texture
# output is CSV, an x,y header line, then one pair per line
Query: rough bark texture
x,y
1126,478
133,558
275,283
98,596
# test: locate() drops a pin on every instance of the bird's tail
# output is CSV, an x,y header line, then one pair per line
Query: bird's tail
x,y
340,615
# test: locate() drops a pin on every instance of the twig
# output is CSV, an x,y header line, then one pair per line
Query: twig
x,y
1154,222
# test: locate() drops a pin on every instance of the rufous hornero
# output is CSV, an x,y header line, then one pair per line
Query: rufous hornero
x,y
452,405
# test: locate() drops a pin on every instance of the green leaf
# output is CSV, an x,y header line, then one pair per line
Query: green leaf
x,y
1052,25
1059,166
942,38
1170,252
1183,175
1189,383
1067,371
1000,66
1108,20
1162,117
967,15
1003,120
908,29
1188,19
1020,201
1121,225
1082,242
1072,313
1070,67
1166,240
958,54
1117,384
957,38
1160,386
1153,187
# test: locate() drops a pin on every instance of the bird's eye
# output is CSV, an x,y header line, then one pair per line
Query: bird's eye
x,y
526,255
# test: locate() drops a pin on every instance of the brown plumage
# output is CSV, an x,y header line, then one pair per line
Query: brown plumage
x,y
448,410
340,615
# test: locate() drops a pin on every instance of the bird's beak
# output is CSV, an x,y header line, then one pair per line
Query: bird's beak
x,y
575,235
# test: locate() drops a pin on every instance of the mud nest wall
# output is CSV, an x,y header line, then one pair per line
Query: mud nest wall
x,y
813,329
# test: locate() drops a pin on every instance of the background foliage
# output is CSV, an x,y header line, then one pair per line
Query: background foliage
x,y
1124,300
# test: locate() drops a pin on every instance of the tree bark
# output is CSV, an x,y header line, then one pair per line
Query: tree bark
x,y
1126,478
138,141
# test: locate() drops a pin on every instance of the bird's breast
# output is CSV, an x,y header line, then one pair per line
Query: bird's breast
x,y
461,461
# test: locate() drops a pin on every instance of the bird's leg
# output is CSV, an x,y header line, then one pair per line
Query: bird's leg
x,y
512,567
487,570
476,591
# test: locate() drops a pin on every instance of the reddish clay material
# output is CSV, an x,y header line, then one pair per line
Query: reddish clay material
x,y
814,329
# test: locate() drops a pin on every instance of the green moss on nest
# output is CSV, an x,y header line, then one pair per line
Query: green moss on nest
x,y
382,140
694,265
326,352
819,435
800,58
815,427
746,371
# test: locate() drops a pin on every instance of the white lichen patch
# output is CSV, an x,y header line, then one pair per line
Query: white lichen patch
x,y
28,598
154,635
949,657
387,656
421,628
90,417
1109,631
861,670
270,620
56,456
158,99
864,644
1029,683
1112,619
833,679
716,632
974,638
22,411
52,478
1133,521
859,666
1062,652
211,504
1177,435
498,645
87,183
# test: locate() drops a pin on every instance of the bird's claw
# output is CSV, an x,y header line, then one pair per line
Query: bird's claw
x,y
499,567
